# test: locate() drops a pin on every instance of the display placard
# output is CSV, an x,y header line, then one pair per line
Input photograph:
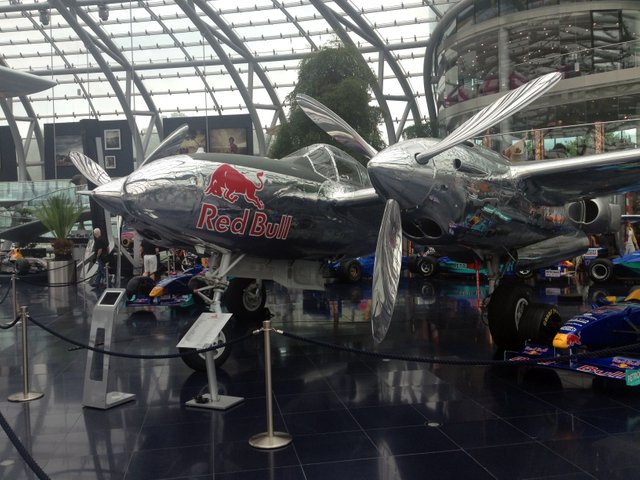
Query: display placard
x,y
204,332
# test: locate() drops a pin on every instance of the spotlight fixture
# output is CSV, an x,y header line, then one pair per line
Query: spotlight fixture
x,y
103,12
45,16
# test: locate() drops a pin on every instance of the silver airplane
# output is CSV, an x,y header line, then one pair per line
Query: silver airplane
x,y
279,219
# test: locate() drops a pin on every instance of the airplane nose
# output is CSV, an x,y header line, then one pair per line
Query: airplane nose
x,y
109,196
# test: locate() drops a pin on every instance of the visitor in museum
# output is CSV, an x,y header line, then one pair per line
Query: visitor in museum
x,y
630,241
233,147
149,254
100,249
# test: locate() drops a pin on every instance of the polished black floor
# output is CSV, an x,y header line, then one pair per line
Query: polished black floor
x,y
350,416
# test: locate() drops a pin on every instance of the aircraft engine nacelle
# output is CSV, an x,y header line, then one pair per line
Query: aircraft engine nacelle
x,y
595,215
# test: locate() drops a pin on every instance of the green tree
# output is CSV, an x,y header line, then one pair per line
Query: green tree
x,y
338,77
419,130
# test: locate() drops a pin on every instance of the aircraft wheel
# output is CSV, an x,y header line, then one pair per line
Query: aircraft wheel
x,y
245,298
351,271
505,310
139,286
427,266
540,323
600,270
196,361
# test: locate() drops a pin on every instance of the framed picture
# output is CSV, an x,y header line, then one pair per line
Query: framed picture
x,y
112,140
109,161
228,140
65,144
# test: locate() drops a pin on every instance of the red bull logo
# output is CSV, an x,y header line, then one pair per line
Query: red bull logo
x,y
230,184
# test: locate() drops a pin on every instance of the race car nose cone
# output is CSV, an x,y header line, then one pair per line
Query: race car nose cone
x,y
566,340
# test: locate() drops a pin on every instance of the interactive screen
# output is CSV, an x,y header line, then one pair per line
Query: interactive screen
x,y
110,298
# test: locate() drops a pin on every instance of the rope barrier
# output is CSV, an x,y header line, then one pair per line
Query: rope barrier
x,y
11,324
26,456
6,294
436,361
147,357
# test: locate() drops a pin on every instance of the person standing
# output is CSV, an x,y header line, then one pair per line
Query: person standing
x,y
630,242
149,259
100,248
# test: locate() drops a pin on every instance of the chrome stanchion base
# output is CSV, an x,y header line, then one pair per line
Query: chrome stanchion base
x,y
269,442
221,403
21,397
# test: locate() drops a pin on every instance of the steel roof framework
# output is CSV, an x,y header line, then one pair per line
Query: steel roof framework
x,y
202,57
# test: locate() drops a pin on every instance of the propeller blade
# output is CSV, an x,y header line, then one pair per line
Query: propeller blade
x,y
386,270
90,169
503,108
336,127
169,146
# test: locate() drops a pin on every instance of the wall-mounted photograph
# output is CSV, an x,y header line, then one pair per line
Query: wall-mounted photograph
x,y
65,144
109,161
112,140
228,140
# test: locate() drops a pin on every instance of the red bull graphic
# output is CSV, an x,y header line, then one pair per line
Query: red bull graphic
x,y
228,183
252,223
573,340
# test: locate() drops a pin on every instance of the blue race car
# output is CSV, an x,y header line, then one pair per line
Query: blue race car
x,y
602,270
613,324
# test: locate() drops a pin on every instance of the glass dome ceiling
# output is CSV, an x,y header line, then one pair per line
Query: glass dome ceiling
x,y
145,60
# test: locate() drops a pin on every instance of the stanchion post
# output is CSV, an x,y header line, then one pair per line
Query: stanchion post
x,y
26,395
14,295
269,440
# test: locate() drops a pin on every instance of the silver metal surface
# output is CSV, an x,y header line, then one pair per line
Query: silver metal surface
x,y
386,270
492,114
269,439
335,126
26,395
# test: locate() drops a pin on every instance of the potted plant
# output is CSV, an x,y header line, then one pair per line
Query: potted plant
x,y
59,213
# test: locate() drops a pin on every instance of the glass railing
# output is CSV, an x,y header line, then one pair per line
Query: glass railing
x,y
20,200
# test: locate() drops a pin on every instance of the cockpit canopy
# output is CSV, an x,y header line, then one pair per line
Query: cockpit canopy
x,y
331,163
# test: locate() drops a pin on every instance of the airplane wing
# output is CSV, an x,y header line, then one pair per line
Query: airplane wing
x,y
557,181
14,83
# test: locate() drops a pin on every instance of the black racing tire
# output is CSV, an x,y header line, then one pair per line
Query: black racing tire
x,y
351,271
245,299
506,307
539,323
427,266
196,361
140,286
600,270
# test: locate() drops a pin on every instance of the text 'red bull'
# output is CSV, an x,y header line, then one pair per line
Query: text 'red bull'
x,y
252,223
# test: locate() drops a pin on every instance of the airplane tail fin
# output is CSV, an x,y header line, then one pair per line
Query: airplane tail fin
x,y
90,169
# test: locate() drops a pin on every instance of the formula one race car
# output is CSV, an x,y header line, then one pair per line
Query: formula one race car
x,y
613,327
173,290
602,270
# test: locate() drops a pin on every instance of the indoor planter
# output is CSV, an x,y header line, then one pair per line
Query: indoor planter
x,y
59,213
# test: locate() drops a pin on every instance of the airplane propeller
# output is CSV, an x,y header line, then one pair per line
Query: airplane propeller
x,y
336,127
386,270
389,247
492,114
